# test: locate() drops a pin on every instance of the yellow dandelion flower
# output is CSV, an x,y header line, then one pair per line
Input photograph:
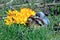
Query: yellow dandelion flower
x,y
19,16
7,22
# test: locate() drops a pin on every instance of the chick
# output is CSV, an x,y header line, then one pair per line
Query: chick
x,y
39,20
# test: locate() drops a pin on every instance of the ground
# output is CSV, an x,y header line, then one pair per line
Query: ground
x,y
21,32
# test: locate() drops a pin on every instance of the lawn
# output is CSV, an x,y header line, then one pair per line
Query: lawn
x,y
22,32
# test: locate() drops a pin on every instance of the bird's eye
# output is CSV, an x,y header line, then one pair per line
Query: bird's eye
x,y
37,14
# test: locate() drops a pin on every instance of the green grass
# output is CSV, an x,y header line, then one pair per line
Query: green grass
x,y
21,32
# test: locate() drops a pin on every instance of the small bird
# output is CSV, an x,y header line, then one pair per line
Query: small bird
x,y
39,19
